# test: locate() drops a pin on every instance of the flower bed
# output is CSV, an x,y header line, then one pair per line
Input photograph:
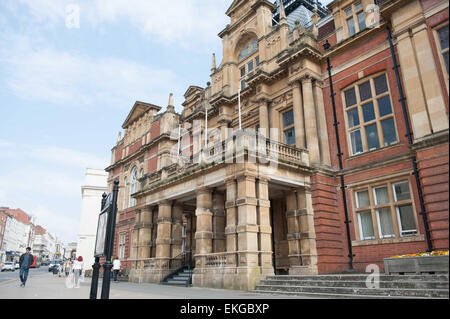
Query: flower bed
x,y
420,263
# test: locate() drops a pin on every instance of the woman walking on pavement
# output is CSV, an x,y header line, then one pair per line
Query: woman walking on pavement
x,y
78,267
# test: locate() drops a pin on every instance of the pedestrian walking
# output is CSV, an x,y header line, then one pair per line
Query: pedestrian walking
x,y
116,268
67,265
25,261
78,267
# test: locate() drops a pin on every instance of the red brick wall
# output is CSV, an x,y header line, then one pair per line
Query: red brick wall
x,y
331,242
434,176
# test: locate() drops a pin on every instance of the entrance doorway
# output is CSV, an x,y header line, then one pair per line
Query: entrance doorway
x,y
279,235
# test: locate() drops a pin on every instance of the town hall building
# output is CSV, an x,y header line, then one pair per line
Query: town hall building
x,y
319,145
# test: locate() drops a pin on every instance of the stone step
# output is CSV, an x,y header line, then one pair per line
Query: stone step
x,y
359,284
362,277
334,296
392,292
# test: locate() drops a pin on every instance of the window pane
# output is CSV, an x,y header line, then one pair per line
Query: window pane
x,y
242,71
401,191
373,142
380,84
362,199
242,84
350,97
348,11
384,106
365,220
386,227
389,134
288,118
368,112
381,195
257,60
358,6
407,223
361,21
353,118
250,66
443,37
356,141
446,60
364,91
351,27
290,137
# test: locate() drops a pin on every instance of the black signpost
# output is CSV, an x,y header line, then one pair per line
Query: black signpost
x,y
104,243
96,265
109,241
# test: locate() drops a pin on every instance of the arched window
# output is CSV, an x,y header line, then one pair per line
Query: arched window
x,y
133,182
250,48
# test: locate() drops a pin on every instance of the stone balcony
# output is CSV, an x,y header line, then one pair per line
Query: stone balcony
x,y
237,149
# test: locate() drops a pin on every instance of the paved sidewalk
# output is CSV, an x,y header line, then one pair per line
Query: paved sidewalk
x,y
47,286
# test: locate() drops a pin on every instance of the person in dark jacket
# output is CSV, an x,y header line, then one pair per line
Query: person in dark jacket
x,y
25,261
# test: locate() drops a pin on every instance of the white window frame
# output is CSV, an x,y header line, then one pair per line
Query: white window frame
x,y
361,233
397,210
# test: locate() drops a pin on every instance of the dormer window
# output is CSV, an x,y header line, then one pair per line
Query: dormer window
x,y
356,19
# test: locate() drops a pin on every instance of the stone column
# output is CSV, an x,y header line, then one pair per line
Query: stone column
x,y
274,122
144,233
264,117
177,225
322,129
265,229
204,235
231,220
164,240
218,223
293,235
298,115
247,229
312,139
307,230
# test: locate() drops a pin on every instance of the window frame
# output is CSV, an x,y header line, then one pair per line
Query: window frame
x,y
122,245
378,120
289,127
133,187
393,205
354,16
441,52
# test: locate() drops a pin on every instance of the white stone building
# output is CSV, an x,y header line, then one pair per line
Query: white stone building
x,y
91,192
17,236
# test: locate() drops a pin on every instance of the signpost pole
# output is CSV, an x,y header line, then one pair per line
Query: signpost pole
x,y
109,242
96,265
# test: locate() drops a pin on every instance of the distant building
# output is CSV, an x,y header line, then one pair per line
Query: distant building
x,y
91,192
3,217
46,245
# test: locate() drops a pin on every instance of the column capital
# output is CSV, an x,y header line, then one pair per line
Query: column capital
x,y
203,190
295,84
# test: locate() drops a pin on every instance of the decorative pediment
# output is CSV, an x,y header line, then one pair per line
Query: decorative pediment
x,y
193,90
138,110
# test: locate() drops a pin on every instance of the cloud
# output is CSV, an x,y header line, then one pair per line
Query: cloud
x,y
63,225
71,79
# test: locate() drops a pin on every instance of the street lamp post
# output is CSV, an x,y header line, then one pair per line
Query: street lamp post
x,y
109,243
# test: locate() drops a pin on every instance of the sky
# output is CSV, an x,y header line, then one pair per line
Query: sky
x,y
70,72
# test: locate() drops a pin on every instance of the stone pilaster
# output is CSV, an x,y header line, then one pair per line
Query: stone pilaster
x,y
322,129
218,223
312,139
203,235
275,133
247,230
298,115
265,229
264,117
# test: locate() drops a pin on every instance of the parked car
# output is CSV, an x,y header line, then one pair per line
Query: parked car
x,y
16,265
8,266
45,263
54,264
